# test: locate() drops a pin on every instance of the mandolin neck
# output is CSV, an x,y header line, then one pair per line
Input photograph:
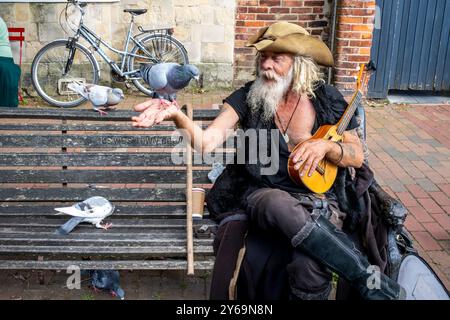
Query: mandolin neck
x,y
351,108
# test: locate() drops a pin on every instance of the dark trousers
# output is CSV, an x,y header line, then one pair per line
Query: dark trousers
x,y
275,210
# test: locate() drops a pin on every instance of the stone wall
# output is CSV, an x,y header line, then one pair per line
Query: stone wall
x,y
205,27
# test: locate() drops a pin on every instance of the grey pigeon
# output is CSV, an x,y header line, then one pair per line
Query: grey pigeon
x,y
92,210
166,79
101,97
107,280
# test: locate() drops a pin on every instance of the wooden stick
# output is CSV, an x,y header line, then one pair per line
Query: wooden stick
x,y
189,224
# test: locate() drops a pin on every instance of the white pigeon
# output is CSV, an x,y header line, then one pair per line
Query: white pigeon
x,y
101,97
92,210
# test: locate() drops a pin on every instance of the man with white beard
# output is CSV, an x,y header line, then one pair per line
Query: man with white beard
x,y
289,96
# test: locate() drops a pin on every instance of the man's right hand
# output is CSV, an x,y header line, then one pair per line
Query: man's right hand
x,y
153,111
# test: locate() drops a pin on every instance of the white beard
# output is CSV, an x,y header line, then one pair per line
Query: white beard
x,y
268,95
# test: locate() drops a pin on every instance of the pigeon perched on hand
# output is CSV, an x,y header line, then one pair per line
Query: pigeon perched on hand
x,y
92,210
107,280
101,97
166,79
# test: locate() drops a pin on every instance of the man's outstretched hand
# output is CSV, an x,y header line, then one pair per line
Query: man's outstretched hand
x,y
153,112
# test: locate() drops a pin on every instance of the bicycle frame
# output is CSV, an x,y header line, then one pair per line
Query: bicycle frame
x,y
95,41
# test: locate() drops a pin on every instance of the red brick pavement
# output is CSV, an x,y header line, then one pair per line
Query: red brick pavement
x,y
409,153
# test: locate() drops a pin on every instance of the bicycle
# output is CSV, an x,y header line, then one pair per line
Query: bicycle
x,y
65,60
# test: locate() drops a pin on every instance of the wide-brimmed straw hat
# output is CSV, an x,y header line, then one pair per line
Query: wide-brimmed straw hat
x,y
286,37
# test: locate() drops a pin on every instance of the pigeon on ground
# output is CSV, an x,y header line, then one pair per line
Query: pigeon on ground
x,y
166,79
101,97
107,280
92,210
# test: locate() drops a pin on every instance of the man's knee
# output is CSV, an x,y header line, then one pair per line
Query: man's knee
x,y
274,209
267,198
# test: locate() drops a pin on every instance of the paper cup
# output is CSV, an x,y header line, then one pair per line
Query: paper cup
x,y
198,203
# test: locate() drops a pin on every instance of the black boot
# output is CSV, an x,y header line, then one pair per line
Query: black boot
x,y
332,247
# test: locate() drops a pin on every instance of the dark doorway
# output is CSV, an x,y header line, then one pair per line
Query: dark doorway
x,y
411,46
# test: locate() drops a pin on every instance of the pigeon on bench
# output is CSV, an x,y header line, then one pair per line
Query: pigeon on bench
x,y
92,210
101,97
107,280
166,79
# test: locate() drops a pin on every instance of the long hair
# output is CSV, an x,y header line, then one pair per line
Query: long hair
x,y
307,75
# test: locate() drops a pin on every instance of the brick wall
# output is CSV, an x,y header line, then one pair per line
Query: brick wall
x,y
254,14
353,41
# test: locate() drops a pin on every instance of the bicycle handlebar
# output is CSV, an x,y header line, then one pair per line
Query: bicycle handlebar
x,y
79,5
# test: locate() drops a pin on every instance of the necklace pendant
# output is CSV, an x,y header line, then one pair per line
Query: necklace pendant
x,y
286,137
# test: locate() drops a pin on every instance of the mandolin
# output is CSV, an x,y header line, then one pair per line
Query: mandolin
x,y
325,174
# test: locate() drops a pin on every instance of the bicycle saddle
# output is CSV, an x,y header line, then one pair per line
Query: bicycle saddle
x,y
135,11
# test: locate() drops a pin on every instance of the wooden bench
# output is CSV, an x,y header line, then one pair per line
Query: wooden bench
x,y
55,157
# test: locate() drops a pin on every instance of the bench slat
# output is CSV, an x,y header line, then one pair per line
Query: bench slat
x,y
81,244
105,239
86,127
110,243
105,265
100,176
90,159
120,208
53,113
152,251
93,159
58,220
80,194
97,141
121,211
85,239
84,230
89,141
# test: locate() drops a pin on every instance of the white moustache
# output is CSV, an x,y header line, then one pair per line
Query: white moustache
x,y
270,75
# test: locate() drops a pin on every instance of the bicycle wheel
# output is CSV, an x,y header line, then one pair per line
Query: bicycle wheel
x,y
49,76
158,48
